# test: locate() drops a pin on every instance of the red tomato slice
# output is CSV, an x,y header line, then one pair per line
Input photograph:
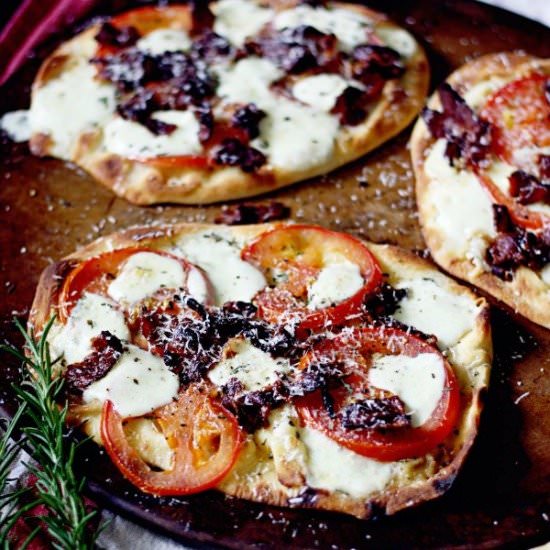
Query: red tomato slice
x,y
291,257
388,445
520,115
95,275
204,437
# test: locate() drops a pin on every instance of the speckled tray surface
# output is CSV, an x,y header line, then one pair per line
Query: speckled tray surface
x,y
501,498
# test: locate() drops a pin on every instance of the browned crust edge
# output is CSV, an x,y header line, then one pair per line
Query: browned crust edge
x,y
526,293
142,184
475,355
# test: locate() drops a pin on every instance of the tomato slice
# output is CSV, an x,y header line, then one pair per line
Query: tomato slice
x,y
204,437
520,115
358,347
292,257
95,275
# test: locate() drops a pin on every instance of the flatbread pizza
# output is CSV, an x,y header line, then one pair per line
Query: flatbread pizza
x,y
280,363
481,156
198,103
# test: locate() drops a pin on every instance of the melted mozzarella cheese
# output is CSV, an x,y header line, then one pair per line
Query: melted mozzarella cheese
x,y
462,207
238,19
131,139
320,91
398,39
477,95
434,310
232,278
351,28
296,137
72,103
254,368
164,40
335,283
197,286
17,125
143,274
90,316
417,381
138,383
335,468
545,274
248,81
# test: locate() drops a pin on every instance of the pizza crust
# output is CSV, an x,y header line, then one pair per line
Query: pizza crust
x,y
280,481
527,293
144,184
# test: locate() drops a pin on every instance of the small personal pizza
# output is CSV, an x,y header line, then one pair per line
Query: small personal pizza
x,y
201,102
284,364
481,155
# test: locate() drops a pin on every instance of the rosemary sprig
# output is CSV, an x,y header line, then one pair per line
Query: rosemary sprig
x,y
42,424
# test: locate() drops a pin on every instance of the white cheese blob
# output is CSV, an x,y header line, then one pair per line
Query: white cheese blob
x,y
254,368
220,257
144,274
90,316
247,81
138,383
545,274
335,468
399,40
17,125
477,95
434,310
198,286
164,40
70,104
238,19
296,137
462,207
351,28
418,381
130,139
320,91
335,283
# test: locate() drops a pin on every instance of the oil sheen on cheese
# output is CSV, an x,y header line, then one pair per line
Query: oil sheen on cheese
x,y
335,282
418,381
144,274
91,315
139,383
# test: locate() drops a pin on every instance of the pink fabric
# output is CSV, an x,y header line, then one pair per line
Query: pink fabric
x,y
31,24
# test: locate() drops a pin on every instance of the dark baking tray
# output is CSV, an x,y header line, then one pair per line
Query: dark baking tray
x,y
500,499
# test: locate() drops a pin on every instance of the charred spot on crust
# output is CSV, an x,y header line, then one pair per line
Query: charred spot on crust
x,y
248,213
515,246
233,152
107,350
111,167
120,37
468,136
441,486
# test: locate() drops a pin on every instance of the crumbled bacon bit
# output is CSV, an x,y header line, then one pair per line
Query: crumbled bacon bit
x,y
350,106
205,118
296,50
468,136
211,47
544,166
248,118
369,59
127,69
528,189
233,152
385,301
375,412
120,37
201,16
107,349
245,213
514,246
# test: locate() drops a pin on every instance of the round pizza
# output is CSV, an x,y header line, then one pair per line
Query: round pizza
x,y
199,103
481,156
280,363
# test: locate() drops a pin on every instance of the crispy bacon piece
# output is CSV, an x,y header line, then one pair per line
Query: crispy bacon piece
x,y
107,350
248,118
528,189
468,136
232,152
350,106
245,213
202,17
369,59
127,69
385,301
375,412
514,246
210,46
544,167
120,37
